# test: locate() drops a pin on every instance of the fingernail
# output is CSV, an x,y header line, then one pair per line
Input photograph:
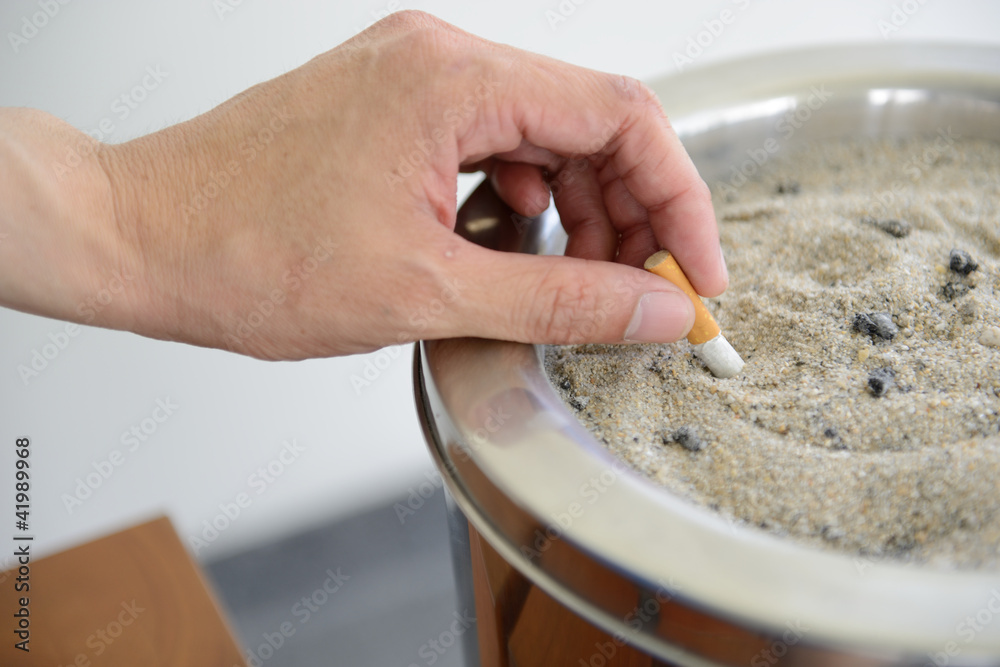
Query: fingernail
x,y
661,317
725,269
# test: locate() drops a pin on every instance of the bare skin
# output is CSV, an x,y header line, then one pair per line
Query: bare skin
x,y
313,214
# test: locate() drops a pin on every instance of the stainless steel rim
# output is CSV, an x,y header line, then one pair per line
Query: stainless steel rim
x,y
516,460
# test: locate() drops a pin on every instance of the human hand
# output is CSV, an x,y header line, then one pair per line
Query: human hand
x,y
313,215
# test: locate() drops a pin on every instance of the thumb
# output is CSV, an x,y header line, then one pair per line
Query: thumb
x,y
564,300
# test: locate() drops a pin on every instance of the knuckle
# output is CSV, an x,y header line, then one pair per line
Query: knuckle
x,y
634,91
412,19
637,105
440,46
700,190
569,308
422,27
412,35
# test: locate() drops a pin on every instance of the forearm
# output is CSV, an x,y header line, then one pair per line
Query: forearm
x,y
61,252
153,236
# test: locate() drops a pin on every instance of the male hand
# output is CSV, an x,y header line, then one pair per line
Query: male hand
x,y
313,215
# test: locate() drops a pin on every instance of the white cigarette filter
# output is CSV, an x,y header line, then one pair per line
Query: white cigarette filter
x,y
709,344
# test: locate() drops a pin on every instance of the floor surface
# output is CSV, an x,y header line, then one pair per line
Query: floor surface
x,y
370,591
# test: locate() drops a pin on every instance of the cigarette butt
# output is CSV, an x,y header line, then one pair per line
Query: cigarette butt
x,y
706,336
664,265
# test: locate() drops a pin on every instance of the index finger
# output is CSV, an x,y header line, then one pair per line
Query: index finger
x,y
573,111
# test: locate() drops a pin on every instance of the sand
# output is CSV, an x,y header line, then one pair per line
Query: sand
x,y
867,418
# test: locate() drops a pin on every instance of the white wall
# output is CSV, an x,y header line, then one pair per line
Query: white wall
x,y
233,413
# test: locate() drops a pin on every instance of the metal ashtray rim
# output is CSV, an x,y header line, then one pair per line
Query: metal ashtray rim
x,y
513,480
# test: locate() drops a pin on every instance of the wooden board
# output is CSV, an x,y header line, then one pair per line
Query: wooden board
x,y
132,598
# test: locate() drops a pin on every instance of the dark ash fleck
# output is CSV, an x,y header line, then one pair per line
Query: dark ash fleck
x,y
896,228
836,442
687,438
953,291
961,262
876,325
881,380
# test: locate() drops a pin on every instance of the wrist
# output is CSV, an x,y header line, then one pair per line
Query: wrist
x,y
175,205
63,249
136,190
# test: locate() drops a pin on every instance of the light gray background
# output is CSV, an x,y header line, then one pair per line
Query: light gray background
x,y
234,413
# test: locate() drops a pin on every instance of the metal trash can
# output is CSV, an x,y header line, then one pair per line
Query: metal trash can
x,y
571,559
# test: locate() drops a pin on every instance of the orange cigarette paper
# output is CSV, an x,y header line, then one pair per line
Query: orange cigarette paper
x,y
664,265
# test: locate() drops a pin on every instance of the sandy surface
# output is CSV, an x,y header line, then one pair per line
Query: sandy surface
x,y
876,435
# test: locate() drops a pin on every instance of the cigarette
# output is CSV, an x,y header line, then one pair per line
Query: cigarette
x,y
709,344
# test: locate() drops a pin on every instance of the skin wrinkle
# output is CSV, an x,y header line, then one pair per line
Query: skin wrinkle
x,y
631,172
441,206
526,128
632,224
564,301
591,232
